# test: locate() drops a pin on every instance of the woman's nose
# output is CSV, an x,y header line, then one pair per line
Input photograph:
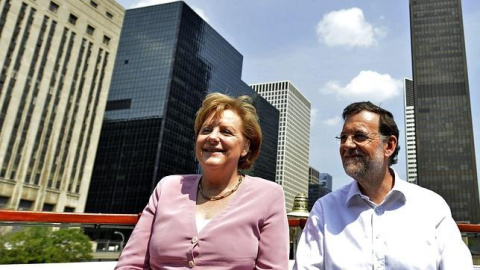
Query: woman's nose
x,y
213,137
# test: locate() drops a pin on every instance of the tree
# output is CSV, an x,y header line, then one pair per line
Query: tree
x,y
44,245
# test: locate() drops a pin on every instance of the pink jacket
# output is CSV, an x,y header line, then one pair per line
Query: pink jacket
x,y
251,233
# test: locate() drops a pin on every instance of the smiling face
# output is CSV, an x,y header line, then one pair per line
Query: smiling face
x,y
220,141
361,159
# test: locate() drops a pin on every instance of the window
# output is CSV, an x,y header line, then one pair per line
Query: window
x,y
53,7
48,207
109,15
106,40
90,30
72,19
3,202
69,209
93,4
25,205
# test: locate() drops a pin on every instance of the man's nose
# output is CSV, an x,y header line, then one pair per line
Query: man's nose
x,y
349,142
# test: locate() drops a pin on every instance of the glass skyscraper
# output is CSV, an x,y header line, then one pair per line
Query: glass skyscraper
x,y
168,60
444,134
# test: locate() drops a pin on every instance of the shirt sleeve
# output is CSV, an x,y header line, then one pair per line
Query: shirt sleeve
x,y
274,241
454,254
135,255
309,254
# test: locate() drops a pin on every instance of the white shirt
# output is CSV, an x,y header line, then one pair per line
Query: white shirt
x,y
411,229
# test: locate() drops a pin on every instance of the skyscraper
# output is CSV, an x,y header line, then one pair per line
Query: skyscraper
x,y
57,59
325,180
317,186
443,118
293,136
410,142
168,60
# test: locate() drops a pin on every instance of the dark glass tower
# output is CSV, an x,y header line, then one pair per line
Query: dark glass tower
x,y
444,134
168,60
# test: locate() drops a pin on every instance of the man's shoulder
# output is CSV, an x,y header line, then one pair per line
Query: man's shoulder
x,y
424,195
340,194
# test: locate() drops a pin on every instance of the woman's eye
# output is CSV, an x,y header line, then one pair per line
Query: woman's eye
x,y
205,130
228,132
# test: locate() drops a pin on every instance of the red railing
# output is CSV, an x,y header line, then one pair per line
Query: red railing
x,y
9,216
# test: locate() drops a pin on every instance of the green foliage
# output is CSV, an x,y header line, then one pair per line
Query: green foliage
x,y
44,245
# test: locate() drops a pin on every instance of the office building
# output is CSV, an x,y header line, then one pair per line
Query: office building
x,y
57,60
443,117
317,186
168,60
325,180
411,149
293,136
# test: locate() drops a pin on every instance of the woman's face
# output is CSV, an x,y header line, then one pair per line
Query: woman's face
x,y
220,141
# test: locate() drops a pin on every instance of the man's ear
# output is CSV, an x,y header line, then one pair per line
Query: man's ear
x,y
390,145
246,148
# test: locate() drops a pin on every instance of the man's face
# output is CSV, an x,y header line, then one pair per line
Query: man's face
x,y
361,146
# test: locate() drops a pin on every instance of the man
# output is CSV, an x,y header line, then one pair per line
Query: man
x,y
378,221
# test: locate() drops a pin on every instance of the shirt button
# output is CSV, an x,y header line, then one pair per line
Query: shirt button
x,y
194,240
191,264
379,211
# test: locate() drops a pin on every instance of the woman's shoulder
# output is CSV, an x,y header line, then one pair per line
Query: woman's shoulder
x,y
177,180
261,184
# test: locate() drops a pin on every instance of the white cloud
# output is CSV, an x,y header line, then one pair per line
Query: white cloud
x,y
144,3
348,27
333,121
201,13
367,85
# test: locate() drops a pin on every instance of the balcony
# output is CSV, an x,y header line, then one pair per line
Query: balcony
x,y
105,255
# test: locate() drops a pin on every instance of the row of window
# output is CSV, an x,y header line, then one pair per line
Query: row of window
x,y
72,19
26,205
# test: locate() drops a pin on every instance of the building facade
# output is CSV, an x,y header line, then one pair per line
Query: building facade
x,y
293,136
57,60
326,180
168,60
443,118
317,186
410,142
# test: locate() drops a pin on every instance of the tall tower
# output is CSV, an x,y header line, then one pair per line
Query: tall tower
x,y
443,118
410,141
293,136
168,60
57,60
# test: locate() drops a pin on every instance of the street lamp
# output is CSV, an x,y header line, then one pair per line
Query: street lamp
x,y
123,239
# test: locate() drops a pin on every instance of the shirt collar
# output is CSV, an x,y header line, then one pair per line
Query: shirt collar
x,y
398,187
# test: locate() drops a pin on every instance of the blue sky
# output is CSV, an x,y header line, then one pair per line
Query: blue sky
x,y
335,53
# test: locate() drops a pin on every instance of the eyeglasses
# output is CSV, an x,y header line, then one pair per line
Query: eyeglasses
x,y
357,138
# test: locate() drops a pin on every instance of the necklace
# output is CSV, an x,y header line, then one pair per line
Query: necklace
x,y
219,197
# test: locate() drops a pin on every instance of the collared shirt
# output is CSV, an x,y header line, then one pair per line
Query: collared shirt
x,y
411,229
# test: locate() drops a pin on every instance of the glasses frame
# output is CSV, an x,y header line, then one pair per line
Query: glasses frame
x,y
359,138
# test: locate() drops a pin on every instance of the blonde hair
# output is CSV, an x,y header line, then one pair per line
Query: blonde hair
x,y
217,103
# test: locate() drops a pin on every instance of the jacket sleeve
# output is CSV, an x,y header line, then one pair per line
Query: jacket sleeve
x,y
135,255
274,236
310,250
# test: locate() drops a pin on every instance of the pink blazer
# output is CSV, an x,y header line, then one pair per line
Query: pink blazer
x,y
251,233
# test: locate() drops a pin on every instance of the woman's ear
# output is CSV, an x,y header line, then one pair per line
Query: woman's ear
x,y
246,148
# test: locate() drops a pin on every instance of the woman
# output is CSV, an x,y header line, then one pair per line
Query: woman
x,y
220,219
